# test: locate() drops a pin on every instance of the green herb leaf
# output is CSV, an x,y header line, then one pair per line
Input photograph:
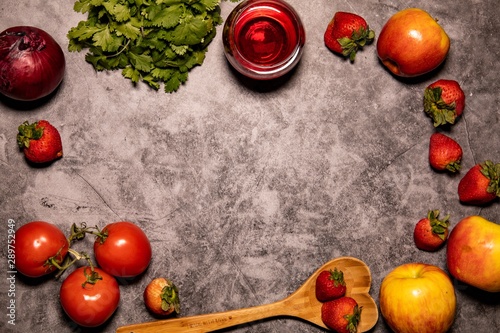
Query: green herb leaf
x,y
132,74
128,30
153,41
107,40
167,18
141,62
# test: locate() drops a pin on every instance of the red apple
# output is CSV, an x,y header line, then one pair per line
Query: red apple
x,y
418,298
412,43
473,253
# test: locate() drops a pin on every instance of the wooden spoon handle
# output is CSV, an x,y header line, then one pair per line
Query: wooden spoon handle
x,y
208,322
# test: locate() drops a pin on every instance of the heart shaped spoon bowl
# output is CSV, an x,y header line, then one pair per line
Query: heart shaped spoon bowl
x,y
300,304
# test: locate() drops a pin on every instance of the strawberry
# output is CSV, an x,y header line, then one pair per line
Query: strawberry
x,y
430,233
40,141
330,285
444,101
341,315
161,297
346,33
481,184
444,153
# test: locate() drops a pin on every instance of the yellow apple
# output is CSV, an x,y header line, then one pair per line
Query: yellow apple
x,y
412,43
473,253
418,298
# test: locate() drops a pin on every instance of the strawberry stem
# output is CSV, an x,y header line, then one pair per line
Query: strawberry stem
x,y
492,172
170,297
454,166
359,38
353,319
337,277
435,107
438,226
28,132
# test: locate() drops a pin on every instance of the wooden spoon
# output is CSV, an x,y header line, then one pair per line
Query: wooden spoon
x,y
301,304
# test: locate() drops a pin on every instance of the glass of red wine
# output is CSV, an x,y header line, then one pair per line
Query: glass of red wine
x,y
263,39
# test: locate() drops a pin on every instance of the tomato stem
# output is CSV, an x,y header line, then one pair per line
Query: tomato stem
x,y
91,278
55,260
79,232
68,262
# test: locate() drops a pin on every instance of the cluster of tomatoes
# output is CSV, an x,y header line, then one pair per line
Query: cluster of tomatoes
x,y
89,294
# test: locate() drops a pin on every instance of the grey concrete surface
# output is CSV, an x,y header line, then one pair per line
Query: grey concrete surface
x,y
244,189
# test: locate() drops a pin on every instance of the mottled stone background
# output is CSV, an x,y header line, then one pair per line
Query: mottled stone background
x,y
244,189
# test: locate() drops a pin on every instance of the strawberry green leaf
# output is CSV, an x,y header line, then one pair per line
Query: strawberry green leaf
x,y
454,166
353,319
28,132
170,297
359,38
492,172
337,277
438,110
438,227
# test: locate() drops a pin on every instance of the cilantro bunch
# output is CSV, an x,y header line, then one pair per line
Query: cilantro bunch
x,y
154,41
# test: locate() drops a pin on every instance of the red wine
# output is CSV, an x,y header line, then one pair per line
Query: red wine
x,y
263,39
265,35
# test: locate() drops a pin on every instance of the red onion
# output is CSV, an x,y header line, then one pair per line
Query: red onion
x,y
32,64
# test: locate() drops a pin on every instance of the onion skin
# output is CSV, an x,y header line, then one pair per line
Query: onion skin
x,y
32,63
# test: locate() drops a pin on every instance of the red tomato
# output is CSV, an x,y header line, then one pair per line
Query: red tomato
x,y
124,251
89,304
37,244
